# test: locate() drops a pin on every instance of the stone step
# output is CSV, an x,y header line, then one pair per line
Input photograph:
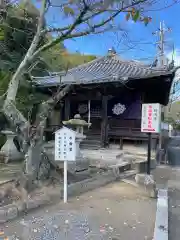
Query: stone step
x,y
91,140
90,144
90,147
93,137
124,166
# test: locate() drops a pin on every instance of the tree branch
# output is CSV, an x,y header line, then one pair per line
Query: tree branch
x,y
62,37
9,109
93,28
14,83
62,29
78,21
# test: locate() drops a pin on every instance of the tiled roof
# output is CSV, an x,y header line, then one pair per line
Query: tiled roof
x,y
104,69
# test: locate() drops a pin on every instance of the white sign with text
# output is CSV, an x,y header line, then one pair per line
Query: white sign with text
x,y
151,118
65,150
65,146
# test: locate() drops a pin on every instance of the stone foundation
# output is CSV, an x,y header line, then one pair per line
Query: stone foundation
x,y
148,182
141,166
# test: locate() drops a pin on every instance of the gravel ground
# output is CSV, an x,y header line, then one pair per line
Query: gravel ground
x,y
116,211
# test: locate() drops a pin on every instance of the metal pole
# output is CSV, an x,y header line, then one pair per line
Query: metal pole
x,y
65,181
149,154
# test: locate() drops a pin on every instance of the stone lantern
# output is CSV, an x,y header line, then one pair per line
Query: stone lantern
x,y
78,124
9,149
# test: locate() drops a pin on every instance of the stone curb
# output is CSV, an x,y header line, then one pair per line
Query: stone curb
x,y
161,223
78,188
14,210
6,181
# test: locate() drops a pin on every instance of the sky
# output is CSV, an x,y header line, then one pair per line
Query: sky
x,y
141,44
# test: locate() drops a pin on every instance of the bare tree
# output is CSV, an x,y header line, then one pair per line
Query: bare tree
x,y
85,17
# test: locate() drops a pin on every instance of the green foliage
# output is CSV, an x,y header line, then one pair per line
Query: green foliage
x,y
173,122
69,11
173,111
54,58
76,59
16,34
18,27
58,58
27,95
17,31
136,15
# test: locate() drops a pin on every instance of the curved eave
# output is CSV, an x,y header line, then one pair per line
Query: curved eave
x,y
56,80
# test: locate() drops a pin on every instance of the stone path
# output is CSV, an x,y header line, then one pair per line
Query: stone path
x,y
116,211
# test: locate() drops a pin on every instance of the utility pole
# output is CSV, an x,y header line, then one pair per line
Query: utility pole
x,y
161,44
162,61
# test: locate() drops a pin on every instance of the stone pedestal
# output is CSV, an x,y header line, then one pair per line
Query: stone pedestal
x,y
141,166
148,182
9,150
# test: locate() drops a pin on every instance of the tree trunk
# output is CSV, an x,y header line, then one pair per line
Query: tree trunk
x,y
35,156
32,136
33,159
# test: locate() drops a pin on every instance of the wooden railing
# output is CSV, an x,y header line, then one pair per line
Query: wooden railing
x,y
113,132
127,132
124,129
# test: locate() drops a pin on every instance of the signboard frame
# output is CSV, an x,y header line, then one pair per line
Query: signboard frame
x,y
65,145
151,118
65,150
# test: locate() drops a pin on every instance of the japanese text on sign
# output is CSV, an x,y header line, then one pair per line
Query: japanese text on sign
x,y
151,118
65,146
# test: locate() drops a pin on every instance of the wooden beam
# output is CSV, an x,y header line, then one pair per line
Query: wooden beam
x,y
104,123
67,108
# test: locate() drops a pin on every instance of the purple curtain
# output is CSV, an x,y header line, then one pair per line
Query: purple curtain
x,y
125,107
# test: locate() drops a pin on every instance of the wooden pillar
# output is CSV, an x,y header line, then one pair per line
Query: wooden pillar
x,y
60,113
121,143
104,123
67,108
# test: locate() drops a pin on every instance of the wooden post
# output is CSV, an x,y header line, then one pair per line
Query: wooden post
x,y
121,143
67,108
104,123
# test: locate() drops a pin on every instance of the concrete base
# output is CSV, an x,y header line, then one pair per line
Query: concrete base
x,y
79,165
148,182
86,185
141,166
